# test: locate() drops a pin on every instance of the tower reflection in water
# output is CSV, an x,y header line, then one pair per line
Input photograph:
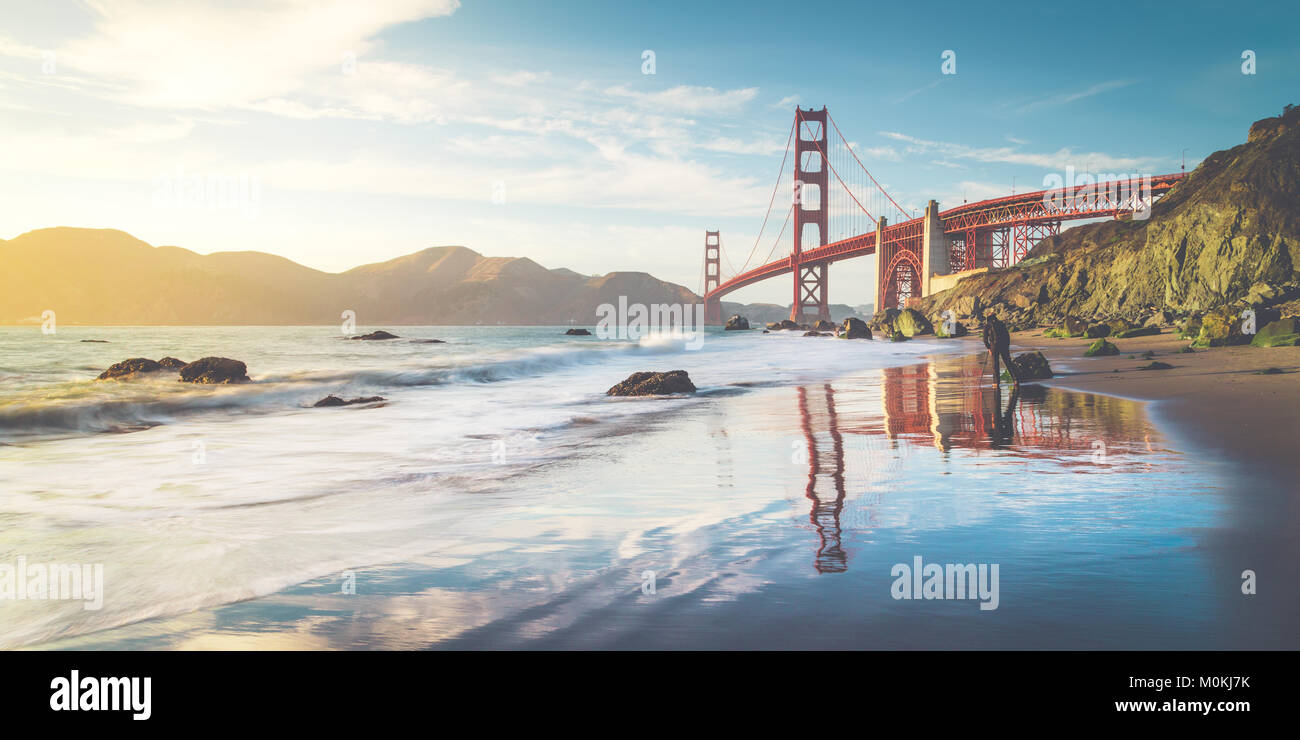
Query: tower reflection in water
x,y
858,438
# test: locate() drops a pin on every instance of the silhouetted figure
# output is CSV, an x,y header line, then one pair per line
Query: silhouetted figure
x,y
998,340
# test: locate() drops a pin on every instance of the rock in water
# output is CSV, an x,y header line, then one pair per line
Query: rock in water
x,y
577,333
653,384
127,368
1280,333
1101,347
1032,366
782,324
332,400
95,341
215,370
854,329
1156,365
737,322
912,322
427,341
823,325
813,333
380,334
171,363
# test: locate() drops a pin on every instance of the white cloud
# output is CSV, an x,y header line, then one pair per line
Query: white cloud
x,y
208,55
687,98
1009,155
1060,99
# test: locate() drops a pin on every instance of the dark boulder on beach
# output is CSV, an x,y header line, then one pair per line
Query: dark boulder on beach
x,y
577,333
127,368
1156,365
737,323
171,363
912,322
854,329
943,329
1280,333
1140,331
215,370
1032,366
380,334
654,384
1100,348
333,400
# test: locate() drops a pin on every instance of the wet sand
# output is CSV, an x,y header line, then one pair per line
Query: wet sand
x,y
774,519
1217,400
1214,396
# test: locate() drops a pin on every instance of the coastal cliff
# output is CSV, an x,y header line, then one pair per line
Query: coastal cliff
x,y
1226,236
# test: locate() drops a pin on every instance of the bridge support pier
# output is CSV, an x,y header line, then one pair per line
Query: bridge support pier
x,y
878,260
935,249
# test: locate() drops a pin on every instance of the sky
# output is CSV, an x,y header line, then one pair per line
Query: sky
x,y
342,133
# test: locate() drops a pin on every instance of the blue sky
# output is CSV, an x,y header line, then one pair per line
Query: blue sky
x,y
340,133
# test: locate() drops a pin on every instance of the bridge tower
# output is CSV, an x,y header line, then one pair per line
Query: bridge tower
x,y
809,282
712,274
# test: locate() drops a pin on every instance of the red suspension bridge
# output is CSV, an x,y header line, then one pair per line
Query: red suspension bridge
x,y
839,211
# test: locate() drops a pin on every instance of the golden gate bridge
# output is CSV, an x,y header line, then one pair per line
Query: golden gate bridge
x,y
838,210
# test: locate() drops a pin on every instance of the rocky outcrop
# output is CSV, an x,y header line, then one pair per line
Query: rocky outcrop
x,y
823,325
374,335
1226,236
1032,366
1156,365
854,329
654,384
815,334
333,400
215,370
427,341
128,368
577,333
737,323
171,363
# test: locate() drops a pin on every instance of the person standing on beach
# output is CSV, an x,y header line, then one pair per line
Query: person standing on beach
x,y
998,340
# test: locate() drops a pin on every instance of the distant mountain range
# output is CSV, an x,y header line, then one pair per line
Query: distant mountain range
x,y
108,277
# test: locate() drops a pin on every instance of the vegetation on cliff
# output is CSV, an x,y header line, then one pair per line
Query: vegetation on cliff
x,y
1228,236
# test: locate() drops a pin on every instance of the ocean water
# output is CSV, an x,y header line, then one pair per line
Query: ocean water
x,y
499,499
